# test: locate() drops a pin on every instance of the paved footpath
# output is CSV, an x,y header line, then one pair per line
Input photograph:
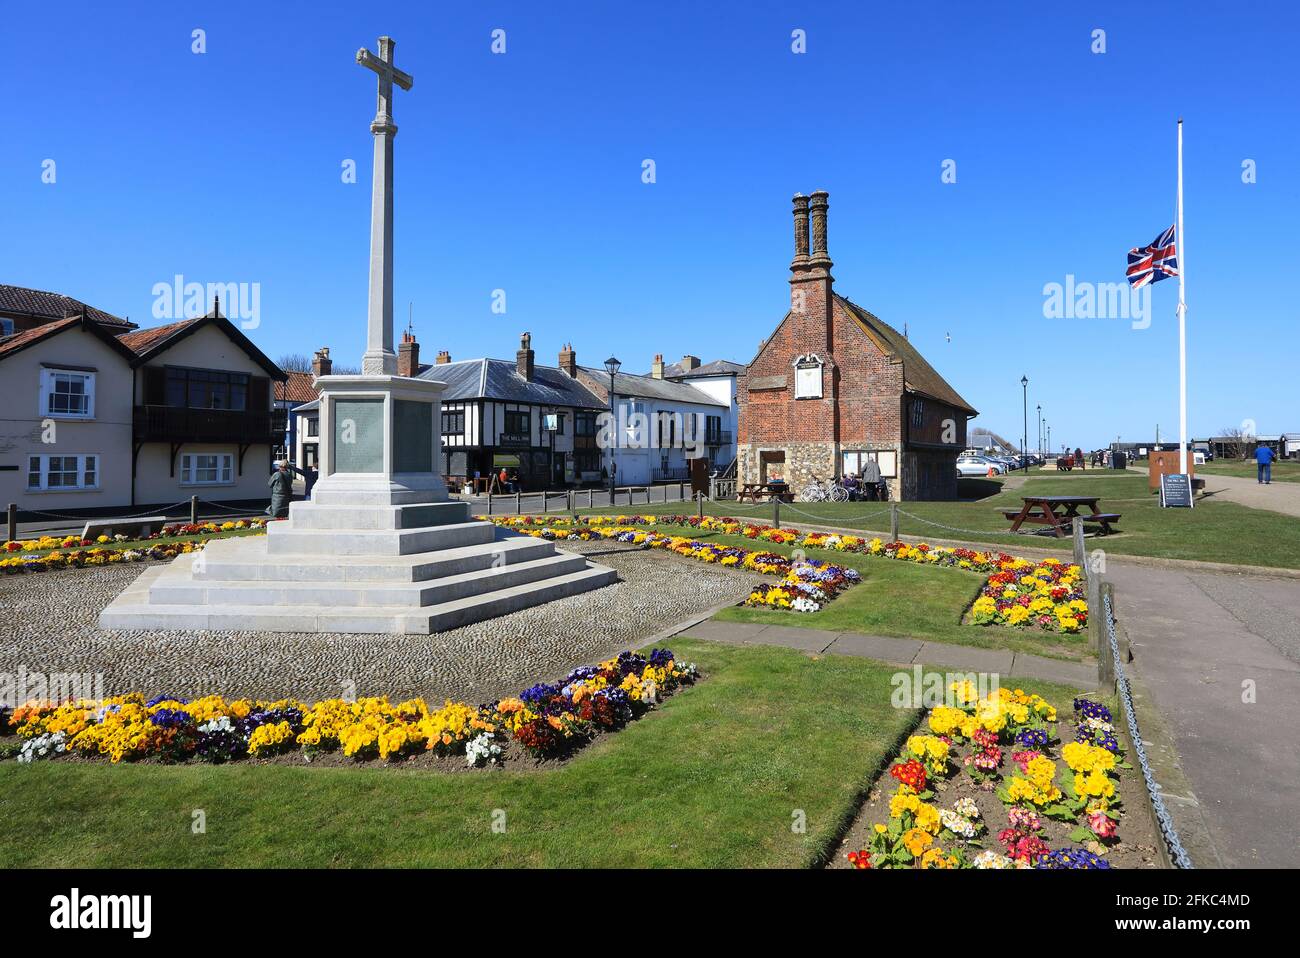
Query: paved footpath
x,y
1201,641
901,651
1281,497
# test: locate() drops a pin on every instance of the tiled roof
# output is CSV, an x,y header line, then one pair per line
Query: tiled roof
x,y
11,344
297,388
141,341
647,387
719,367
918,375
499,379
36,302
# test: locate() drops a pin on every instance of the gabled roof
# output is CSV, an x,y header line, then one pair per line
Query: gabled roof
x,y
143,341
10,345
647,387
719,367
918,375
148,343
46,306
499,379
297,388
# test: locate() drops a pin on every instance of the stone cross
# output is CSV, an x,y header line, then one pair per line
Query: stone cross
x,y
379,358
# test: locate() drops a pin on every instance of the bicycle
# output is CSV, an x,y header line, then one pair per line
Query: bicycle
x,y
824,490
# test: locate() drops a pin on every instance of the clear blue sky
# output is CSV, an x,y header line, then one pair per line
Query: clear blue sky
x,y
523,172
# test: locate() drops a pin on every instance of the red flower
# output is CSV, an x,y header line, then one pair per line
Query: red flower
x,y
911,773
860,859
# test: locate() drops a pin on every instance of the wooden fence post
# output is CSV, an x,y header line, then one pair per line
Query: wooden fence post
x,y
194,510
893,522
13,522
519,503
1105,658
776,512
1080,553
546,505
699,503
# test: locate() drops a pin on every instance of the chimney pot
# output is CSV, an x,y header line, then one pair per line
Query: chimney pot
x,y
444,358
321,364
569,361
818,204
657,367
408,355
524,358
800,261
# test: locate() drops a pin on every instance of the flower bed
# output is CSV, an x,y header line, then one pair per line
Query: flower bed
x,y
1013,790
73,552
805,585
1046,594
545,721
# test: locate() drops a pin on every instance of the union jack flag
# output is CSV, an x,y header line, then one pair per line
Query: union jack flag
x,y
1153,263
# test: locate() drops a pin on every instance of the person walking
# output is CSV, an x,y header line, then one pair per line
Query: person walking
x,y
1264,457
281,484
1078,457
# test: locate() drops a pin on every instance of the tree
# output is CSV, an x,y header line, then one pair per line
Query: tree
x,y
294,363
1235,442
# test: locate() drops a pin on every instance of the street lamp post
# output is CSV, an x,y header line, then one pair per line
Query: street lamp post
x,y
1049,439
1024,435
611,366
1040,429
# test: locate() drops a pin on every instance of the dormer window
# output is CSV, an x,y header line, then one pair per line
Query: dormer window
x,y
808,376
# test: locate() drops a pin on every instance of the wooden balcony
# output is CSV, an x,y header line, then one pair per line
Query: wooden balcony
x,y
177,424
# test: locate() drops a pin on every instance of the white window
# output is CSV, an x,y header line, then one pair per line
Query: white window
x,y
207,469
808,377
62,473
67,393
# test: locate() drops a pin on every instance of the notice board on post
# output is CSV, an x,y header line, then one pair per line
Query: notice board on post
x,y
1176,490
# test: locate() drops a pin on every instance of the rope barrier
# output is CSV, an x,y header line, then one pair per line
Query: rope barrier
x,y
139,515
1166,822
824,520
940,525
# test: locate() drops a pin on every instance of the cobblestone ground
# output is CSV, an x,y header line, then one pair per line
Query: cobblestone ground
x,y
47,624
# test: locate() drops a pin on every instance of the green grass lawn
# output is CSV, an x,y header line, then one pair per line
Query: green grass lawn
x,y
904,600
711,779
1214,531
1246,469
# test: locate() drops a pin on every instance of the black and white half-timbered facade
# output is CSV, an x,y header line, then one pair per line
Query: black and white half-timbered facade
x,y
535,421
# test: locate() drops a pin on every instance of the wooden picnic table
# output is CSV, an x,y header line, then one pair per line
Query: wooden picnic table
x,y
1059,512
755,491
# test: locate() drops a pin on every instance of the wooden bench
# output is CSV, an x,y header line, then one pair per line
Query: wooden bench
x,y
1103,519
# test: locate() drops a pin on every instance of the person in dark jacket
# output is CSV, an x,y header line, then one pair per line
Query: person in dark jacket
x,y
281,484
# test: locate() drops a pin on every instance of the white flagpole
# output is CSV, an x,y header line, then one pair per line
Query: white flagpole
x,y
1182,315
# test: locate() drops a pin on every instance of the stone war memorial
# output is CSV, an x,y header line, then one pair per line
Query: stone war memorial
x,y
380,548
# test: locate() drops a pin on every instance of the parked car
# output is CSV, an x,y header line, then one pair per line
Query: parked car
x,y
979,466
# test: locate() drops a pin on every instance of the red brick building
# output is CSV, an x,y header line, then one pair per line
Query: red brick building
x,y
833,387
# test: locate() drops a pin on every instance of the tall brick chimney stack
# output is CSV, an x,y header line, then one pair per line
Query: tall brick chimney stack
x,y
443,358
657,367
569,361
321,364
524,358
810,274
690,362
408,355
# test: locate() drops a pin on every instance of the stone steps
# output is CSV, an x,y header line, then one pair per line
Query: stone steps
x,y
352,564
314,515
179,587
284,539
133,610
245,560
